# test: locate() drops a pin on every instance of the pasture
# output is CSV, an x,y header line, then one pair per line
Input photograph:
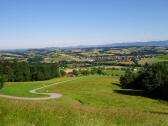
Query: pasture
x,y
87,101
160,58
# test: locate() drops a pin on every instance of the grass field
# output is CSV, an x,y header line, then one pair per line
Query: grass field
x,y
161,58
57,59
22,88
114,72
87,101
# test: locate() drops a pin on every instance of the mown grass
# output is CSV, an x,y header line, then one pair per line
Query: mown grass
x,y
22,88
87,101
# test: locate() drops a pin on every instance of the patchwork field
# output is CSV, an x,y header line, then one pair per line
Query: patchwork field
x,y
86,101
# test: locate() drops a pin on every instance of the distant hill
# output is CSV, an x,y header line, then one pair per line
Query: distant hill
x,y
140,44
128,44
123,44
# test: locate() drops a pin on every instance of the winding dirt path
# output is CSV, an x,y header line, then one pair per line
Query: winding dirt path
x,y
34,91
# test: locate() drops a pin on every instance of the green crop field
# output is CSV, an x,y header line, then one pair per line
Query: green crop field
x,y
87,101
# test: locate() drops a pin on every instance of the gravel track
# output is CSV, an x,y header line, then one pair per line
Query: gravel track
x,y
34,91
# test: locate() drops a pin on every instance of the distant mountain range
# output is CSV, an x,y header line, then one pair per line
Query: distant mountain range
x,y
131,44
123,44
140,44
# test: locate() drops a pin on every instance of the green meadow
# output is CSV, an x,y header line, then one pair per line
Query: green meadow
x,y
22,89
160,58
114,72
87,101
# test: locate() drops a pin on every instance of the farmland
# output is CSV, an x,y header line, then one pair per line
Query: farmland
x,y
87,101
83,63
94,97
159,58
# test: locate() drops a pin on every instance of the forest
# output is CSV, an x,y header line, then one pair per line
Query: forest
x,y
153,79
23,71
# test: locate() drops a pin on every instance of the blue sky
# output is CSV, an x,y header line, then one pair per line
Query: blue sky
x,y
46,23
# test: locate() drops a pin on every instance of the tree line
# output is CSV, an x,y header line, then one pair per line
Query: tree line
x,y
153,79
23,71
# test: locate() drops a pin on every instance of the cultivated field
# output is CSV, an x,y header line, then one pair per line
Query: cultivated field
x,y
86,101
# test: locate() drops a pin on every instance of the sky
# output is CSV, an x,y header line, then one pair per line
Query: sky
x,y
57,23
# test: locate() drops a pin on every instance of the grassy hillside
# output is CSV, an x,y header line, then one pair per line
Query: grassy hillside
x,y
156,59
22,88
87,101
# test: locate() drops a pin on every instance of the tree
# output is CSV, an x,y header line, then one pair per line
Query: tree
x,y
99,71
22,71
1,82
75,72
57,73
85,72
127,80
62,73
93,71
153,79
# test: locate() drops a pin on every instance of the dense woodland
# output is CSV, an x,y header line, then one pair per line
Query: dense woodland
x,y
153,79
22,71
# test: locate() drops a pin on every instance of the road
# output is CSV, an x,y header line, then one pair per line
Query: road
x,y
34,91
